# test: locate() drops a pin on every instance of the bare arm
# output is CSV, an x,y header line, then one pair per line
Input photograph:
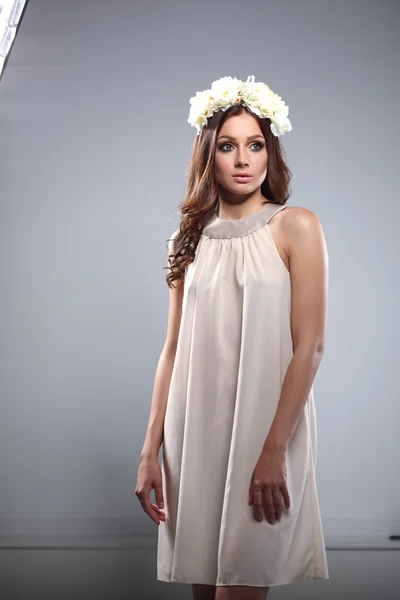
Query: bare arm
x,y
155,429
309,282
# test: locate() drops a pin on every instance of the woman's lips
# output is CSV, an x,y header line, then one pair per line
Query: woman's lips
x,y
242,178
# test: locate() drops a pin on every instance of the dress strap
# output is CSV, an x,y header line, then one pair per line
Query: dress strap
x,y
278,209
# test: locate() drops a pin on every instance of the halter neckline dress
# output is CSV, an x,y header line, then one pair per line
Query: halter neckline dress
x,y
233,351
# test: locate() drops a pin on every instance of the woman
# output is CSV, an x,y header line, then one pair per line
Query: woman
x,y
233,398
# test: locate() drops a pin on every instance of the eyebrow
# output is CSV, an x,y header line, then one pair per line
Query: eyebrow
x,y
251,137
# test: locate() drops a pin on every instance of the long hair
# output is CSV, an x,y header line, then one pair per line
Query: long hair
x,y
201,195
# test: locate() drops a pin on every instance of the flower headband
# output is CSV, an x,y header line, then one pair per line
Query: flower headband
x,y
227,91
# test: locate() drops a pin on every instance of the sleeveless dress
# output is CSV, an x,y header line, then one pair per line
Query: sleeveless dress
x,y
233,350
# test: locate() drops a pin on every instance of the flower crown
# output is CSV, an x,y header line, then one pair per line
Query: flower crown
x,y
227,91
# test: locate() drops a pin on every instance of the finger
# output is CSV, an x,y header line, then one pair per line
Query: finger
x,y
158,510
141,496
144,498
153,515
251,495
159,513
257,504
285,495
159,494
268,505
278,503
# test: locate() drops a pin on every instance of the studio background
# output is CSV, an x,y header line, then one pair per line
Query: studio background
x,y
94,145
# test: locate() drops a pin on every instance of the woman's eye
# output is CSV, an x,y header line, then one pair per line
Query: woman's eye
x,y
259,144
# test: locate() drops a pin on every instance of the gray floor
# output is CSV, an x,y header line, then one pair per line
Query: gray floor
x,y
124,572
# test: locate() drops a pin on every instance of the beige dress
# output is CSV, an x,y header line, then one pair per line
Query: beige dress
x,y
233,351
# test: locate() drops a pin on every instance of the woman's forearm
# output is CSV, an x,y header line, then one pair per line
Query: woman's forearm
x,y
155,428
294,393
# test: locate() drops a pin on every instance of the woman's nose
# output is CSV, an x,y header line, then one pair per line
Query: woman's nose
x,y
241,157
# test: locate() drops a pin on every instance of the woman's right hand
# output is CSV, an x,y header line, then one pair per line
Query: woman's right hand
x,y
149,476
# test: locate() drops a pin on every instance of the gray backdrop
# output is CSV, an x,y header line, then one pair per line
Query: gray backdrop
x,y
94,146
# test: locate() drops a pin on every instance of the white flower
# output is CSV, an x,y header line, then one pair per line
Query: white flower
x,y
200,109
256,93
281,124
227,91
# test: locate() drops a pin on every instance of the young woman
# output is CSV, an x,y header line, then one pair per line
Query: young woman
x,y
233,398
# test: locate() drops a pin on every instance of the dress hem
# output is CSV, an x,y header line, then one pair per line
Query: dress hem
x,y
286,582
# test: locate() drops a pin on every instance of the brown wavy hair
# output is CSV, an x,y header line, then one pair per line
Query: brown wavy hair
x,y
201,195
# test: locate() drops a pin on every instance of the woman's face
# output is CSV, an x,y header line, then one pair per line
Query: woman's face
x,y
244,151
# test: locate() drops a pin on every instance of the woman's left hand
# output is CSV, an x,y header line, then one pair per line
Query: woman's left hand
x,y
268,491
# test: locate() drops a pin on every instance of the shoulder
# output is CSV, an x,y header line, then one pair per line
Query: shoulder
x,y
170,241
303,233
298,217
299,222
173,235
